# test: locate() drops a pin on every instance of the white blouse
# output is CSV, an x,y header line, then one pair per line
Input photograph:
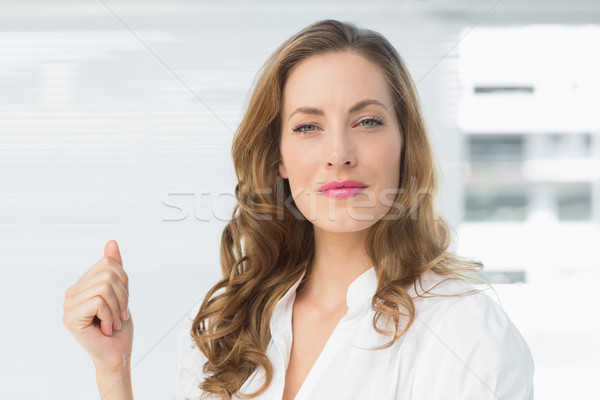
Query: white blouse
x,y
462,347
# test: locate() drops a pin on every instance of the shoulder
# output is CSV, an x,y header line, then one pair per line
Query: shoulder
x,y
470,346
190,361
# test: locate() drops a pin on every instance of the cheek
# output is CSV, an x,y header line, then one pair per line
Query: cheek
x,y
388,159
291,169
300,162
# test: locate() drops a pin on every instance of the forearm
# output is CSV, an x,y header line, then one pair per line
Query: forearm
x,y
114,385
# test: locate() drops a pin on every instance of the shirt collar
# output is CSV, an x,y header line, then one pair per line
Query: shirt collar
x,y
362,289
359,294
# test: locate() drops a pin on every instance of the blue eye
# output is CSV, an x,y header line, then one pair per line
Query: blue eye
x,y
368,123
302,130
371,122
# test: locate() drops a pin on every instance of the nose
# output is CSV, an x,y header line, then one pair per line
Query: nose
x,y
341,151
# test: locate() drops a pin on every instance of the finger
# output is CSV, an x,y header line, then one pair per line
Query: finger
x,y
107,294
104,267
110,297
112,255
105,316
112,274
82,316
111,250
95,288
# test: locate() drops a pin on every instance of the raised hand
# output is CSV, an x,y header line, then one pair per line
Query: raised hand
x,y
97,315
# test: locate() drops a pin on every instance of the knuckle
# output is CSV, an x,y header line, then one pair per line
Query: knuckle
x,y
106,275
102,263
105,289
98,303
111,276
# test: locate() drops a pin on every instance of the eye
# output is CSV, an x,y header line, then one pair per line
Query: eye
x,y
371,122
305,128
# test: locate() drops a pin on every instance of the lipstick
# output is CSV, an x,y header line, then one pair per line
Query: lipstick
x,y
342,189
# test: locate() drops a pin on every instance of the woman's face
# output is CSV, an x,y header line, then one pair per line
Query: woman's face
x,y
339,124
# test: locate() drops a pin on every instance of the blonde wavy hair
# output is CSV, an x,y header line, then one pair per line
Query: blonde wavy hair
x,y
268,244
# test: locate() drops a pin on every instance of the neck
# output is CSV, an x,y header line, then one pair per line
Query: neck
x,y
339,259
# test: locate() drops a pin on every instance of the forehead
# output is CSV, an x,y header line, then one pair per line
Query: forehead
x,y
334,79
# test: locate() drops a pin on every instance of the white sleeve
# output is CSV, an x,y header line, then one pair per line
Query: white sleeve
x,y
474,353
190,362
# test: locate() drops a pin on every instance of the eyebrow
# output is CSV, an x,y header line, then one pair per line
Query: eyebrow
x,y
358,106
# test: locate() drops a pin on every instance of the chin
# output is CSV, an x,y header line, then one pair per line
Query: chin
x,y
342,219
343,224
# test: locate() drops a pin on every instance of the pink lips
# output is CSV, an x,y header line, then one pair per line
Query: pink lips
x,y
342,189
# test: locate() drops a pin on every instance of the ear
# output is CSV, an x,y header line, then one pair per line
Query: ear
x,y
282,170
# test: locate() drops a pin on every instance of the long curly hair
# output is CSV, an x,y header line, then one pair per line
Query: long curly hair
x,y
268,244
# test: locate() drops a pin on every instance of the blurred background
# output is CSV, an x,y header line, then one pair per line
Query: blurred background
x,y
116,120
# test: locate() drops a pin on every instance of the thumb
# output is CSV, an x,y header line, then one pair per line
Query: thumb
x,y
111,249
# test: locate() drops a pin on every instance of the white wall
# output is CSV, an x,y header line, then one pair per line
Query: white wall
x,y
109,110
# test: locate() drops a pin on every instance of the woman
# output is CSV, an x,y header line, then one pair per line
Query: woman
x,y
337,282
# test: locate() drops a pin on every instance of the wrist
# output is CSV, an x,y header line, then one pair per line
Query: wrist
x,y
114,383
120,369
